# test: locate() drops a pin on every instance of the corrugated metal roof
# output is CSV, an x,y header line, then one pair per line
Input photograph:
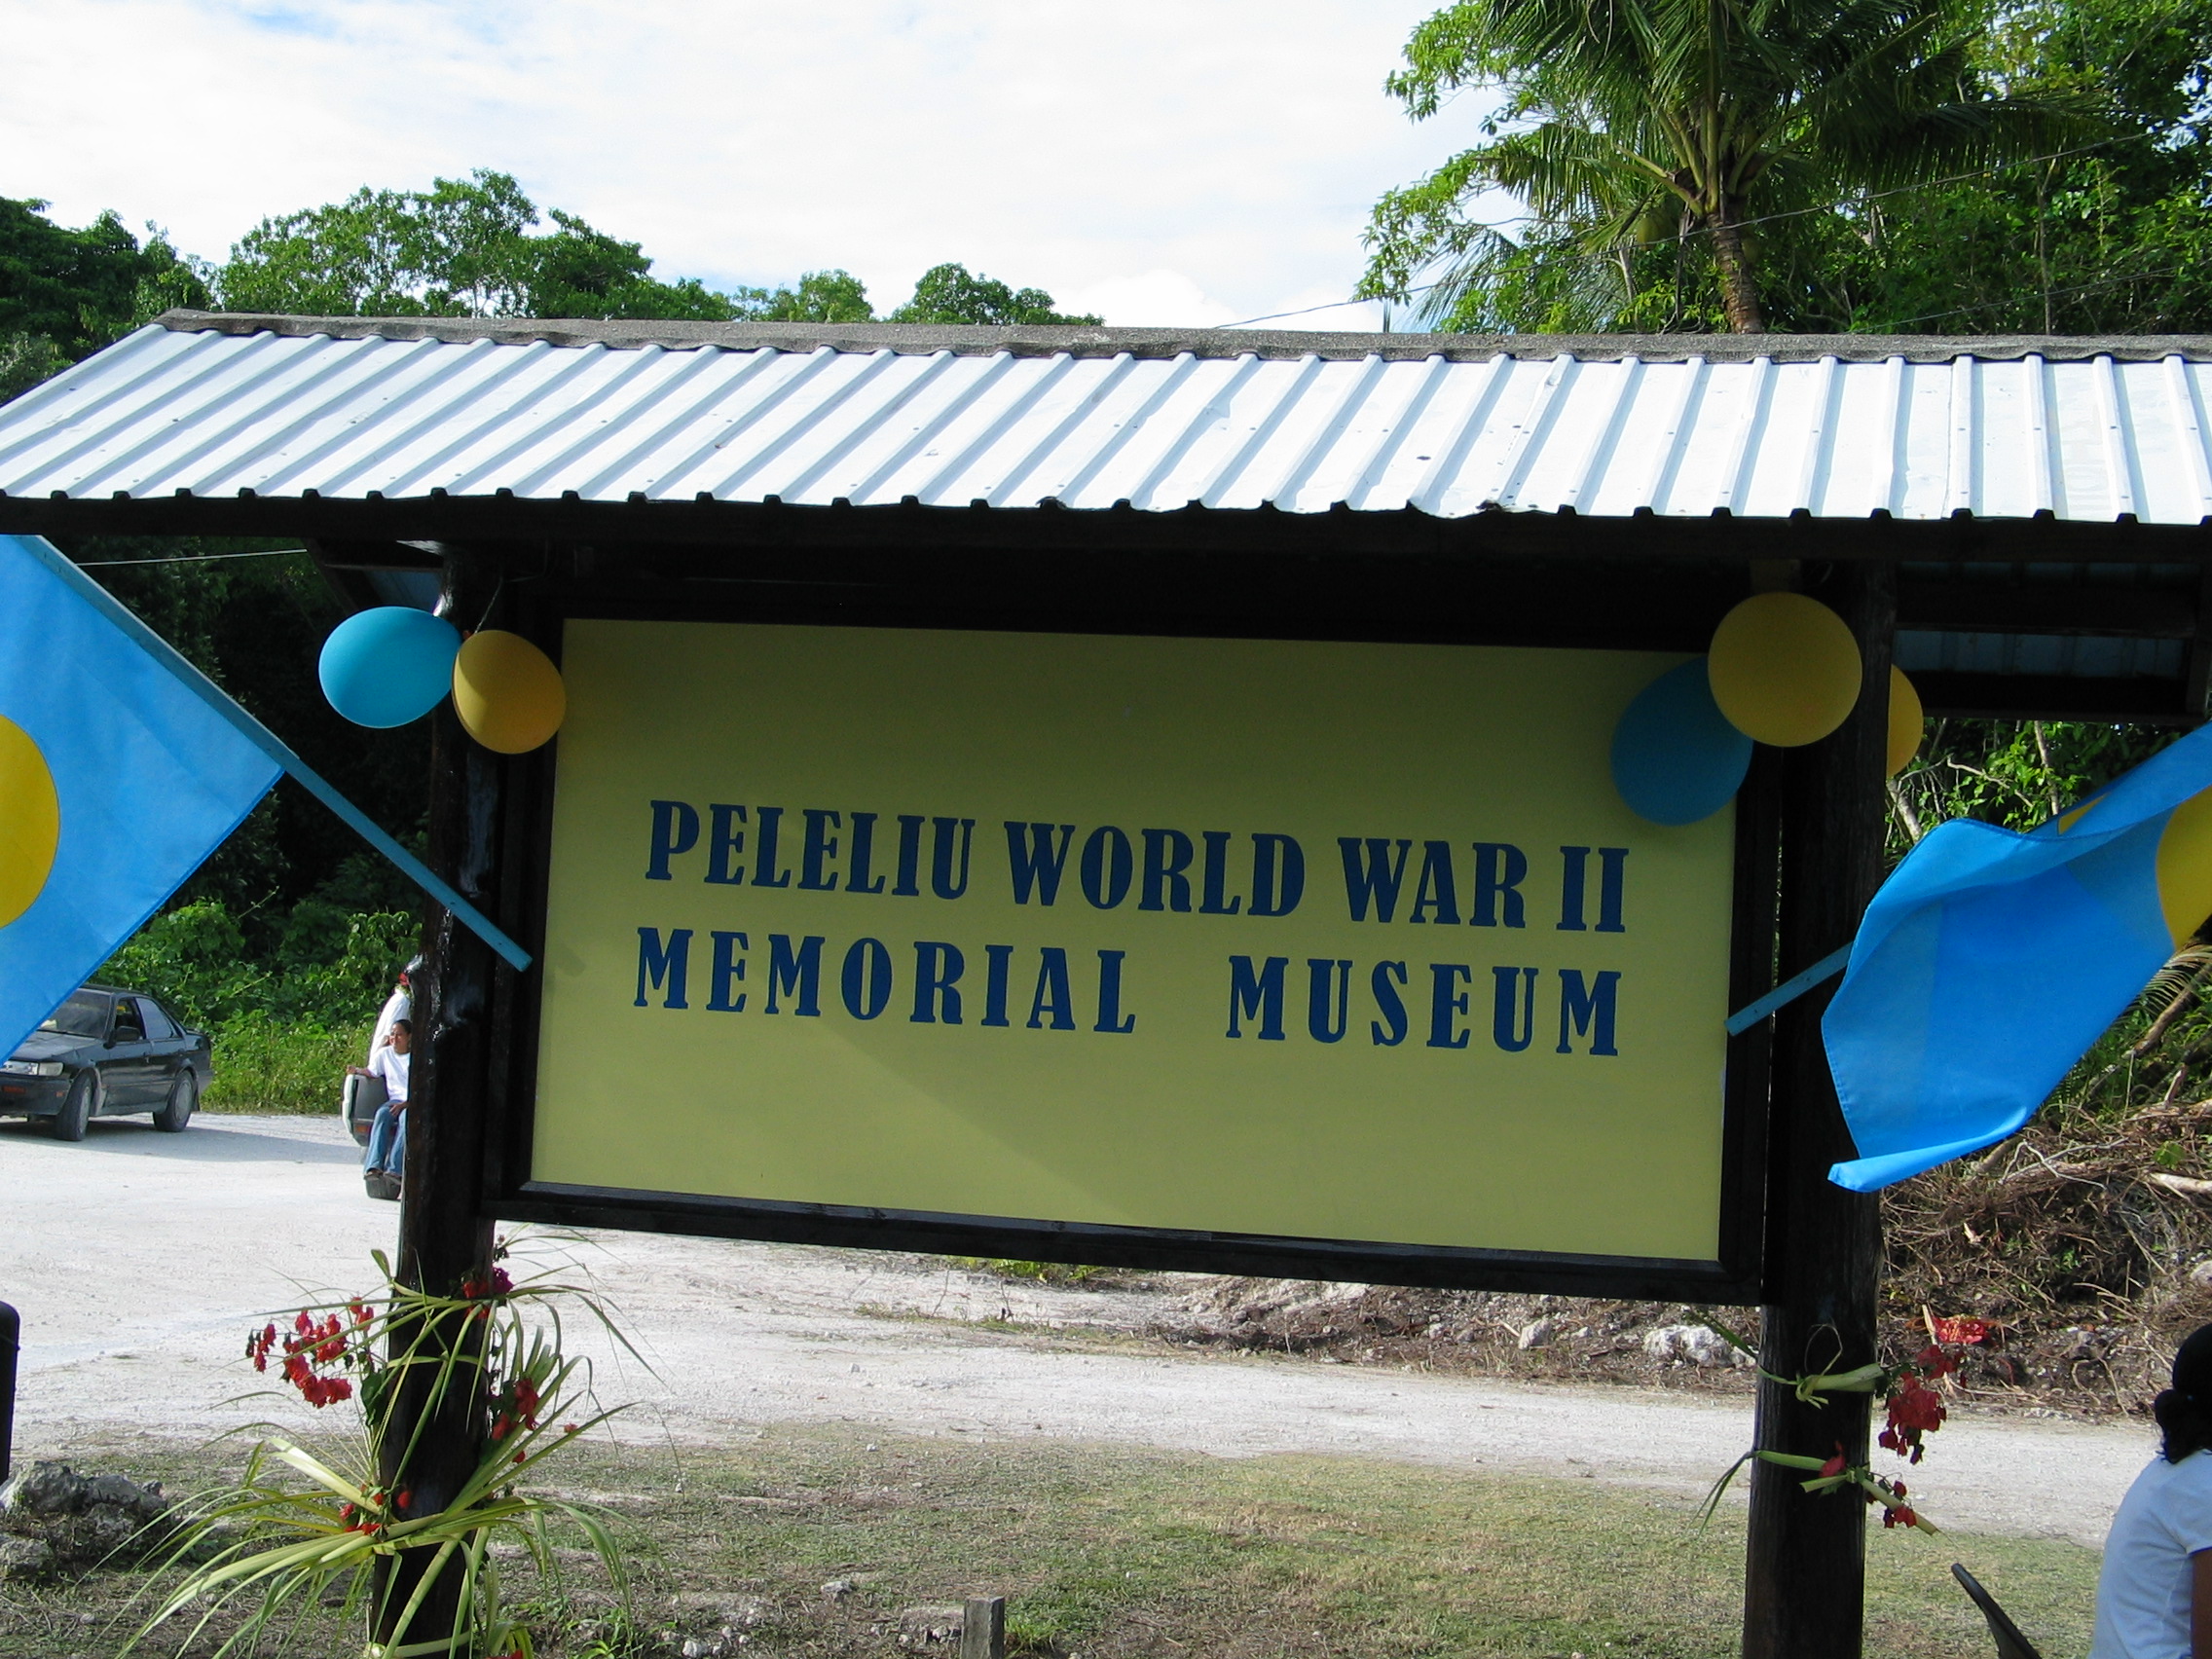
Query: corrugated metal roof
x,y
1681,426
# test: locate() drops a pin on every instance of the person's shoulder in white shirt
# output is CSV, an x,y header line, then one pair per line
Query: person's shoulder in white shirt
x,y
391,1066
400,1005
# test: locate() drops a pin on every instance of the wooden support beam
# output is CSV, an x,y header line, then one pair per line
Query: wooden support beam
x,y
1805,1571
430,1449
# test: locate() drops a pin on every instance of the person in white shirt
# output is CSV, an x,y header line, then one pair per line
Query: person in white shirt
x,y
400,1005
2155,1594
387,1134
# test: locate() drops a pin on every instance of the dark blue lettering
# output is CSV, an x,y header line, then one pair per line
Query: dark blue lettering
x,y
1111,1019
866,979
769,824
725,841
1390,1030
1613,864
1500,870
1514,986
1371,877
820,846
796,974
663,964
1054,997
994,984
1573,879
730,969
1257,996
1278,875
940,856
1324,976
938,968
1587,1010
1213,899
1436,891
1446,1002
1109,866
862,856
676,829
910,857
1167,854
1034,863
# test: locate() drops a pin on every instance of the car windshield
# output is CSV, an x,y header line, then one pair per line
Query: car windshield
x,y
83,1014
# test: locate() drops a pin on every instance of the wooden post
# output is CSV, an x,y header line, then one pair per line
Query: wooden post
x,y
443,1239
982,1627
1804,1588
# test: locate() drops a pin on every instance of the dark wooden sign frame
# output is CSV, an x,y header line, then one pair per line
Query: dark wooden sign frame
x,y
525,828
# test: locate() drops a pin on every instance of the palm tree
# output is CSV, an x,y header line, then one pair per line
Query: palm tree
x,y
1626,120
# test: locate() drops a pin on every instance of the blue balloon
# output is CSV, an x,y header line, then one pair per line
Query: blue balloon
x,y
388,666
1676,757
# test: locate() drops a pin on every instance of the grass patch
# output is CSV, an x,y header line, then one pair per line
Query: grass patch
x,y
1110,1554
264,1064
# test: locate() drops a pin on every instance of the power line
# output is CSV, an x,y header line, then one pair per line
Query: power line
x,y
197,558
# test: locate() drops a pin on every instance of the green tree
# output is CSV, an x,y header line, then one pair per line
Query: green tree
x,y
948,293
821,296
464,248
65,293
2112,236
1627,124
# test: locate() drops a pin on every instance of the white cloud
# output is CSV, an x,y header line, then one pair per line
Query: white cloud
x,y
1133,158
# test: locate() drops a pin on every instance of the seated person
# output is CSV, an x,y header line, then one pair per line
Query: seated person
x,y
387,1134
2155,1594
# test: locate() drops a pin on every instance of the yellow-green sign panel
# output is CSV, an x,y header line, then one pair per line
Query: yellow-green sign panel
x,y
1325,941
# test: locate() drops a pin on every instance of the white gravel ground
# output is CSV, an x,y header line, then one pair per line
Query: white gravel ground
x,y
138,1262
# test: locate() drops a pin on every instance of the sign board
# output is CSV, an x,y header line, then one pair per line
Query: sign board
x,y
1327,958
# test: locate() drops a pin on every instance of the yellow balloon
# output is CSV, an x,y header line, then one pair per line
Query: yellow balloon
x,y
1784,669
30,821
1906,721
2185,868
507,692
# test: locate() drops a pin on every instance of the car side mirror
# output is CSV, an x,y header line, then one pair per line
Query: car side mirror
x,y
109,1041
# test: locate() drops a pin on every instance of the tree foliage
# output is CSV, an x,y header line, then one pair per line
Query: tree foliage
x,y
948,293
473,247
65,293
2023,167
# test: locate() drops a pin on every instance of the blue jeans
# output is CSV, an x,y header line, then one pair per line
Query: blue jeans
x,y
387,1141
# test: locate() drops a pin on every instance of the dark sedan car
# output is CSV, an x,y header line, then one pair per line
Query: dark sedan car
x,y
105,1051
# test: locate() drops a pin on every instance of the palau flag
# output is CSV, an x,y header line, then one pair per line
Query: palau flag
x,y
1991,961
117,778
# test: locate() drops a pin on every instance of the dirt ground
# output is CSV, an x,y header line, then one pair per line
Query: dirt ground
x,y
140,1260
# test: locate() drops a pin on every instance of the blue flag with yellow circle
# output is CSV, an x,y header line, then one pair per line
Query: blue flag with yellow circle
x,y
116,779
1992,960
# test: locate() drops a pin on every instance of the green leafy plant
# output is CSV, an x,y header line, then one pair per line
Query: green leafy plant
x,y
299,1524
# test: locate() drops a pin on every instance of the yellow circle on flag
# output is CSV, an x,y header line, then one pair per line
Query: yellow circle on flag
x,y
30,821
2185,868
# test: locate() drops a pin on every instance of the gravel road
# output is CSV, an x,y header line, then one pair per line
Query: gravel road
x,y
140,1260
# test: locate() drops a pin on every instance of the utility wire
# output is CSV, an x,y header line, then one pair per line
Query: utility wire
x,y
198,558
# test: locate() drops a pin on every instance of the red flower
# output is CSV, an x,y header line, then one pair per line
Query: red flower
x,y
1933,1362
1962,1331
1836,1464
1914,1410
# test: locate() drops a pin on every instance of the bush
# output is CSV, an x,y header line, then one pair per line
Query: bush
x,y
285,1028
264,1064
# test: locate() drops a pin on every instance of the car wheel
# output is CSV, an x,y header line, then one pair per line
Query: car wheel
x,y
76,1111
177,1112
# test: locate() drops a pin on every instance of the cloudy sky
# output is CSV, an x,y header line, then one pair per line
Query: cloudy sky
x,y
1155,161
